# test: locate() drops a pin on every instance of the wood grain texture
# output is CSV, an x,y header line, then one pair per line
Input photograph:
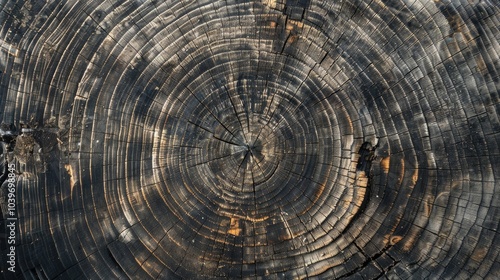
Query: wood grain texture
x,y
266,139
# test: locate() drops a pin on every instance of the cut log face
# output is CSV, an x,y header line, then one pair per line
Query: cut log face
x,y
264,139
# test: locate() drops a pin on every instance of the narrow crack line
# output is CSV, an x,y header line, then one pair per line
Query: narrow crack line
x,y
291,112
158,244
304,80
294,110
210,160
384,271
233,105
200,126
275,110
300,175
261,170
249,149
226,141
274,169
371,259
284,140
298,217
276,135
235,111
257,137
287,38
209,111
230,98
273,136
272,99
285,222
254,193
265,181
260,131
360,250
270,104
238,171
274,94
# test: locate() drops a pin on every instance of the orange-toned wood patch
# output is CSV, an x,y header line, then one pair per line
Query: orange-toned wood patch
x,y
234,227
69,169
385,164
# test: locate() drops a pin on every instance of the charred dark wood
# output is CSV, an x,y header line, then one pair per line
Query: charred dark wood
x,y
267,139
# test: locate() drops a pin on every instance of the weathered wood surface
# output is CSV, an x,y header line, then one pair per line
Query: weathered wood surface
x,y
264,139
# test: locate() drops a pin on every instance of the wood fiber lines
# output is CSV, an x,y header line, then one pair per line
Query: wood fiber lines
x,y
266,139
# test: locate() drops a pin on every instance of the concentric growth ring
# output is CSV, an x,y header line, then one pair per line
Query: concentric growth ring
x,y
252,139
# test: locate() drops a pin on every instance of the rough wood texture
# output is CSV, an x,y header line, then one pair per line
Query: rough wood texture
x,y
265,139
